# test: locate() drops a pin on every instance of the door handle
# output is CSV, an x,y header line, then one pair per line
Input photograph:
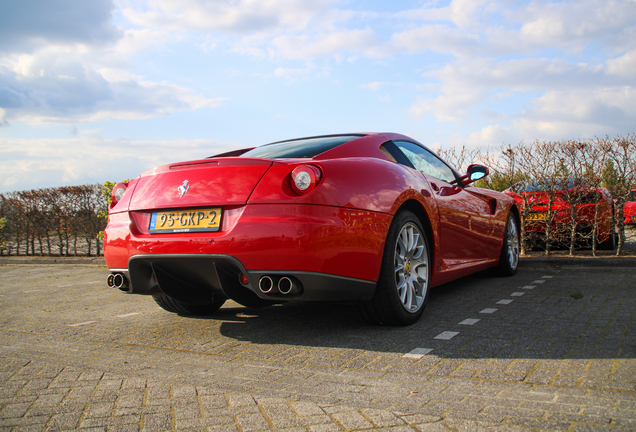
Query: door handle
x,y
435,187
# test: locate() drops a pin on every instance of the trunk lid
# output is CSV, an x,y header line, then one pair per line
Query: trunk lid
x,y
207,182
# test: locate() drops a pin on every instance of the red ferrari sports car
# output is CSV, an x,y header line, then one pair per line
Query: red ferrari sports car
x,y
375,219
534,195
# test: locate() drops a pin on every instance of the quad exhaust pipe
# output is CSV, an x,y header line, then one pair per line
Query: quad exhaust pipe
x,y
117,280
286,285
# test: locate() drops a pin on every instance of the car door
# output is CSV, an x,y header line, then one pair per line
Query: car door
x,y
462,212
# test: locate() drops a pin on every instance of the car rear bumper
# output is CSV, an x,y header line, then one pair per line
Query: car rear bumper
x,y
203,278
275,237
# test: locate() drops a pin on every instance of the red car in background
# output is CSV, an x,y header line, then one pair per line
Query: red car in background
x,y
567,192
375,219
629,211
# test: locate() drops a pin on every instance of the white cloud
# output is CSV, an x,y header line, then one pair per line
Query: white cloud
x,y
467,83
577,23
438,38
35,163
240,16
624,65
451,106
72,67
491,136
60,85
465,14
580,114
135,41
308,47
507,26
27,25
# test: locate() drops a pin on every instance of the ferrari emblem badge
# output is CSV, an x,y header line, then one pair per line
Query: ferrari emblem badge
x,y
184,188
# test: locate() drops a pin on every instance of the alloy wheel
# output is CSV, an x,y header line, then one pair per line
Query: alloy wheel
x,y
513,243
411,268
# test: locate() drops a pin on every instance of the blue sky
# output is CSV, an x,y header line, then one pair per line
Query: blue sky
x,y
104,89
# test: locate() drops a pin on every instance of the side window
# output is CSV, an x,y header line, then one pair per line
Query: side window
x,y
425,161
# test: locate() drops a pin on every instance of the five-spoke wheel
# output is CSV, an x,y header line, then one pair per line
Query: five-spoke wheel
x,y
411,267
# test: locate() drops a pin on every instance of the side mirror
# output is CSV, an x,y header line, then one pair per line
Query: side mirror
x,y
474,173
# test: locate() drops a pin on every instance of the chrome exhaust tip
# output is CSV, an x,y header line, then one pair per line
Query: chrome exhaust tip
x,y
285,285
117,280
265,284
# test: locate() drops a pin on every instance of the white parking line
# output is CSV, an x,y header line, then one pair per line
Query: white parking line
x,y
470,321
418,353
33,290
64,286
127,315
447,335
82,323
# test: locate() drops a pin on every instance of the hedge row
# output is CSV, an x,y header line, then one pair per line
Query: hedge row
x,y
56,221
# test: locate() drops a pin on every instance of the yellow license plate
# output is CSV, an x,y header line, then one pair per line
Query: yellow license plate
x,y
536,216
176,221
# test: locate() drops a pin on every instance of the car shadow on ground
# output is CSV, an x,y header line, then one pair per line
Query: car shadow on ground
x,y
530,329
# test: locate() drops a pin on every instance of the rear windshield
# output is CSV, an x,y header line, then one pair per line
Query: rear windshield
x,y
301,148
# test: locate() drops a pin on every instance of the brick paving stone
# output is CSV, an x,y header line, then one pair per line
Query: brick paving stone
x,y
99,410
278,411
156,422
14,410
301,422
239,399
382,418
352,420
252,422
66,421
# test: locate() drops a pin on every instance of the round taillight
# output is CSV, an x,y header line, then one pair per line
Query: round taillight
x,y
304,179
118,193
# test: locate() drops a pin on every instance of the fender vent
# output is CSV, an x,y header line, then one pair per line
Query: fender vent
x,y
493,206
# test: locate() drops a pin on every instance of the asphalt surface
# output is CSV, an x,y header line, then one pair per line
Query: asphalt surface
x,y
551,348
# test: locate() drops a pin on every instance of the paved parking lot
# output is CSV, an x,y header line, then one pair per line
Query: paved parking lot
x,y
551,348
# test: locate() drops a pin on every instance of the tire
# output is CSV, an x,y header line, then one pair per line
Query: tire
x,y
509,257
172,305
403,286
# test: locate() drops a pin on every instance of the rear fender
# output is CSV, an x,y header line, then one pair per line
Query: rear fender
x,y
359,183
